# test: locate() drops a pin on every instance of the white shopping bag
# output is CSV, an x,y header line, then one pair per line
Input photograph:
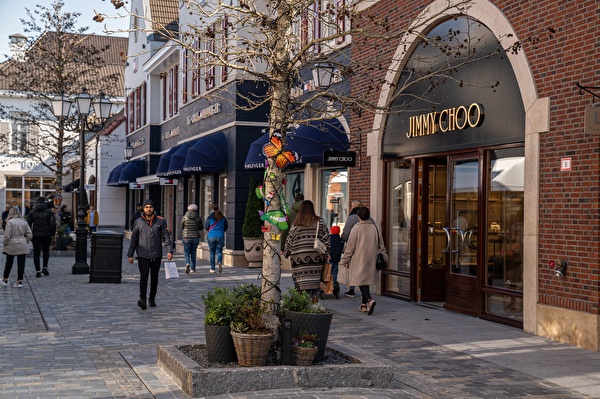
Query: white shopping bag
x,y
171,270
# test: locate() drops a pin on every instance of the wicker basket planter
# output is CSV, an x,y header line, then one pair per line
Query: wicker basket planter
x,y
312,323
252,349
303,356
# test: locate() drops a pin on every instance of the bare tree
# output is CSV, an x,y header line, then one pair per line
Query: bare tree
x,y
56,58
277,41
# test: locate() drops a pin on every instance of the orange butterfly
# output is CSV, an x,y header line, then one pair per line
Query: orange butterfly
x,y
273,149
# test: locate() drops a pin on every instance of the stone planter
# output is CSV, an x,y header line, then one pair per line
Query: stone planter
x,y
253,251
312,323
219,344
252,348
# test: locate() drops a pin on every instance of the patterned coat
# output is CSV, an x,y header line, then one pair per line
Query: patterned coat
x,y
307,264
361,252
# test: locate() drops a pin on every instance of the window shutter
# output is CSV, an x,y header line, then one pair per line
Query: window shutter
x,y
4,136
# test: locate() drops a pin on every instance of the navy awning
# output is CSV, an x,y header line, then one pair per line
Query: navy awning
x,y
132,171
113,176
164,161
178,159
73,186
309,141
208,154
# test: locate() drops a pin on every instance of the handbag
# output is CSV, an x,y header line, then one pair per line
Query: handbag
x,y
380,263
327,286
171,270
326,273
318,244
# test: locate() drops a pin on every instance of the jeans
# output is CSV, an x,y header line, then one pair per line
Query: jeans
x,y
190,245
334,271
41,244
20,266
216,244
148,267
92,229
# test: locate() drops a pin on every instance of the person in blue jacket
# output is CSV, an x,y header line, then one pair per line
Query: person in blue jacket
x,y
216,225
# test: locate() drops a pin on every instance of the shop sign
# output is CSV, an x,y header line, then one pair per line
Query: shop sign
x,y
339,158
592,120
450,119
136,186
168,182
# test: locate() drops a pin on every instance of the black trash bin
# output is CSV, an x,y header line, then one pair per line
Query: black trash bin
x,y
107,254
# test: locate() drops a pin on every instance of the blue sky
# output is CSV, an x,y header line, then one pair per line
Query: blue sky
x,y
11,13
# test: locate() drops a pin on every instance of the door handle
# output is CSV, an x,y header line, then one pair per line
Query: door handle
x,y
449,231
469,237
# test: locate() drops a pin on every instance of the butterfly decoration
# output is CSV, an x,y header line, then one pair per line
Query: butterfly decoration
x,y
274,149
265,229
275,237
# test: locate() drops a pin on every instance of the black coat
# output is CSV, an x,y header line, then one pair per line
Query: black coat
x,y
41,220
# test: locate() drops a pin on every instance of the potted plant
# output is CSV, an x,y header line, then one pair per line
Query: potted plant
x,y
63,240
250,330
304,349
252,227
307,317
220,306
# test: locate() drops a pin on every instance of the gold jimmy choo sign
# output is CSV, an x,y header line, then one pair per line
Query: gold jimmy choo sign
x,y
448,120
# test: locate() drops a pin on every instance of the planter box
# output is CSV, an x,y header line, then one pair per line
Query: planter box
x,y
198,381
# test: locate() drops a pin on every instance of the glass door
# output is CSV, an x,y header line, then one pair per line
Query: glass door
x,y
462,234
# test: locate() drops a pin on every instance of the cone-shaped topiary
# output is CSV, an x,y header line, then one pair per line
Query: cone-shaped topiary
x,y
252,222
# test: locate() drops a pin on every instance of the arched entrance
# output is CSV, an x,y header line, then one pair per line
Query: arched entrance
x,y
455,233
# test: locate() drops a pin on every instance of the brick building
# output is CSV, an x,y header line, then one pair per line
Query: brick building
x,y
489,180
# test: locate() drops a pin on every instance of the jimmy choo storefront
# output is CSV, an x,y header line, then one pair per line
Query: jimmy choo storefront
x,y
454,157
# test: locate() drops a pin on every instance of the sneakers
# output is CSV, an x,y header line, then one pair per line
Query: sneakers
x,y
187,268
45,272
220,267
363,308
38,274
142,304
4,283
151,303
192,271
349,294
18,285
371,306
212,270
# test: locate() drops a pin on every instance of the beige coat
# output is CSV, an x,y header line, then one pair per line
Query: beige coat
x,y
361,252
17,235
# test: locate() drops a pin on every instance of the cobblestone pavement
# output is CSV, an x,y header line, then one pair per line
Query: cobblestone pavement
x,y
62,337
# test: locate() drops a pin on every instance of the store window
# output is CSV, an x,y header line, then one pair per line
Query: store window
x,y
505,233
223,194
22,191
206,190
294,186
334,199
398,233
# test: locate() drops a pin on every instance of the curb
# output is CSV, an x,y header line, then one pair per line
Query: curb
x,y
198,381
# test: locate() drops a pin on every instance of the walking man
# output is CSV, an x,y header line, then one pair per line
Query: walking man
x,y
147,238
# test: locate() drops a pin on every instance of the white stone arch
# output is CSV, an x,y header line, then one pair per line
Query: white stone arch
x,y
537,120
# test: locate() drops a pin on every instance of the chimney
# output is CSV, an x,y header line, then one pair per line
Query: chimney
x,y
17,45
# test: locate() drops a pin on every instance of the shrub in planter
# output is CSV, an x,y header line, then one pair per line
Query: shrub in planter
x,y
252,227
220,305
307,318
252,336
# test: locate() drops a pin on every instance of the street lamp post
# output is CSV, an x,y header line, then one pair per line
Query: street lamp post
x,y
81,121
